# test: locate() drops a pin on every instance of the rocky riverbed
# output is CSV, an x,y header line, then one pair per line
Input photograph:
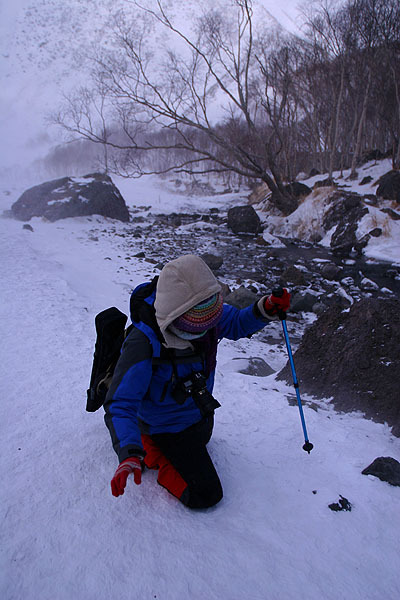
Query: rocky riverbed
x,y
316,277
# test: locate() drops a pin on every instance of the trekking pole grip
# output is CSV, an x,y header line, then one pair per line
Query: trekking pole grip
x,y
278,293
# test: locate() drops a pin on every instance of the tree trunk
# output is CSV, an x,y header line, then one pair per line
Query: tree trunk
x,y
396,156
353,173
336,128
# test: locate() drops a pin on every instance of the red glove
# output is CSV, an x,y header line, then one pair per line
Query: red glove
x,y
274,304
128,466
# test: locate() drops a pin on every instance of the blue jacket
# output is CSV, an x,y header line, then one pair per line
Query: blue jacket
x,y
140,398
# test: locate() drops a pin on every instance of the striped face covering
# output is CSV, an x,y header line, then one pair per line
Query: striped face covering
x,y
200,318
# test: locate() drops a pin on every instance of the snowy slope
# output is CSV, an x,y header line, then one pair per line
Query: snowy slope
x,y
272,537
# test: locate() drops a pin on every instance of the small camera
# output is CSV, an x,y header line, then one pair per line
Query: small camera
x,y
196,386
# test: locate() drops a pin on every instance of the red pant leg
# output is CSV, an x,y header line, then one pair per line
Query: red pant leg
x,y
168,476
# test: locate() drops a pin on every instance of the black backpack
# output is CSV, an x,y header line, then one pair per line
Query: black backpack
x,y
110,335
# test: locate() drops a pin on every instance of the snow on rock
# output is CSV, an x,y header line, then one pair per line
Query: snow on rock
x,y
304,223
72,197
368,284
376,234
272,240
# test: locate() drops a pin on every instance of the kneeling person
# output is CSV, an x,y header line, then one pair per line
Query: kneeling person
x,y
160,408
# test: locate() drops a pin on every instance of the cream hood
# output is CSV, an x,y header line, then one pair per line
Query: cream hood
x,y
183,283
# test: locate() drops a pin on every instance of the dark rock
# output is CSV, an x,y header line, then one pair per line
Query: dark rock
x,y
386,469
345,212
374,154
324,183
354,357
72,197
370,199
314,172
212,261
298,189
27,227
392,273
243,219
360,244
389,186
319,307
315,238
286,203
176,220
341,204
140,255
293,275
334,299
376,232
343,239
225,289
366,180
330,271
241,297
302,302
343,504
257,367
392,213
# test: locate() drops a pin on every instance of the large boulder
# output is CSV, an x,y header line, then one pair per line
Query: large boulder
x,y
72,197
389,186
354,357
244,219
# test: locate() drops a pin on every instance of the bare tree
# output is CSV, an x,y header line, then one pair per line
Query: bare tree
x,y
220,94
179,91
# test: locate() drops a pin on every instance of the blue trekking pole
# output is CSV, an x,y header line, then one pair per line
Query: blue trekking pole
x,y
308,446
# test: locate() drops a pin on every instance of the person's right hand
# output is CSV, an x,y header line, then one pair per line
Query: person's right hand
x,y
126,468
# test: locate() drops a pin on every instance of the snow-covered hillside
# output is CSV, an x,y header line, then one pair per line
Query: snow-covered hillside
x,y
272,537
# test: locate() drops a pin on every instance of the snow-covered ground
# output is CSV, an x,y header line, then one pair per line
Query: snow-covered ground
x,y
272,537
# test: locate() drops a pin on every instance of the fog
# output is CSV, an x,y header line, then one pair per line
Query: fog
x,y
38,44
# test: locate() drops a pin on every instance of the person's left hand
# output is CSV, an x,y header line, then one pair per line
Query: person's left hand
x,y
273,305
